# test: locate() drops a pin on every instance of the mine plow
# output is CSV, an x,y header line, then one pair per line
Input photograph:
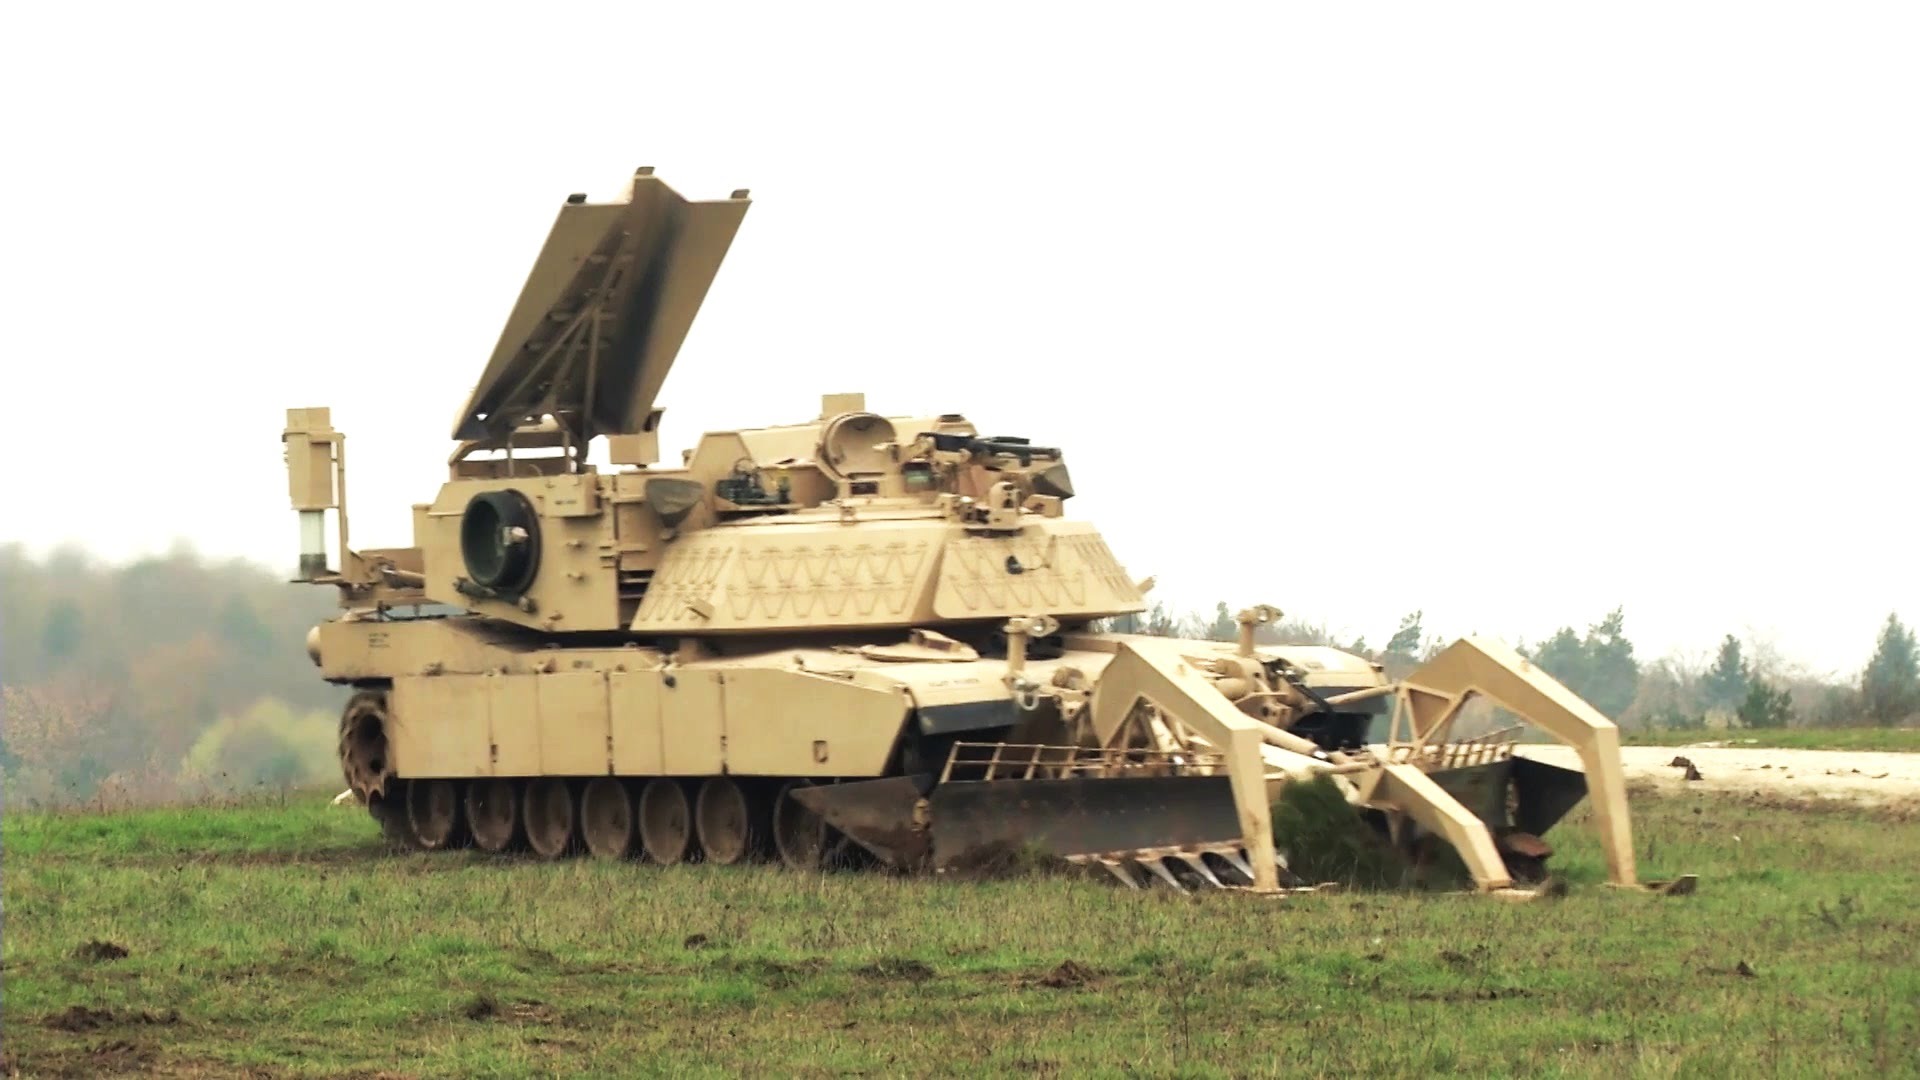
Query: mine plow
x,y
1169,763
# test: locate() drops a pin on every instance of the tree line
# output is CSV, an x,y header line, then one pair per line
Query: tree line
x,y
159,679
176,676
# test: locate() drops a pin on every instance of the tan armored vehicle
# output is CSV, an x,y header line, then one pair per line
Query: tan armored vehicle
x,y
857,633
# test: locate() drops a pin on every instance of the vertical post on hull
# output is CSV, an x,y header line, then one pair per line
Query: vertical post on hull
x,y
316,458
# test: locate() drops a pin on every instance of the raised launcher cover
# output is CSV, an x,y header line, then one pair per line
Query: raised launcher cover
x,y
603,312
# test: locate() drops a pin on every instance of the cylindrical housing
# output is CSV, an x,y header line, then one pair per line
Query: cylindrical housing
x,y
313,544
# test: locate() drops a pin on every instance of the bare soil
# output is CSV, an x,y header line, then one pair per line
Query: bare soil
x,y
1854,775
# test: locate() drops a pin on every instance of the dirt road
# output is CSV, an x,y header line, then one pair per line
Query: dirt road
x,y
1861,776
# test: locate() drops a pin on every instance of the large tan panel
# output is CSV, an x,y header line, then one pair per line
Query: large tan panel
x,y
692,728
514,720
437,726
642,265
794,577
1065,569
633,699
574,738
790,723
370,649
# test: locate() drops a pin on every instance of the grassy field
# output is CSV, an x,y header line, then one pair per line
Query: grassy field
x,y
1860,738
271,940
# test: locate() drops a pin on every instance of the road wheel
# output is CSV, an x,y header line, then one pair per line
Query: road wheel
x,y
728,821
802,837
666,821
549,817
493,813
433,813
606,818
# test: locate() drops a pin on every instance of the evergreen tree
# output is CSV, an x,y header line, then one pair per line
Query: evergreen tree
x,y
1405,641
1563,658
1613,675
1725,683
1599,667
1890,686
1224,627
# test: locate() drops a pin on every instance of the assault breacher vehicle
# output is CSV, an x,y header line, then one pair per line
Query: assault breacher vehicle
x,y
860,633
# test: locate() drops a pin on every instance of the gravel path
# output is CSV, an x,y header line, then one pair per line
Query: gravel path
x,y
1865,776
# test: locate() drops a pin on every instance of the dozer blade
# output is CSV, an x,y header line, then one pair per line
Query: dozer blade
x,y
879,815
977,821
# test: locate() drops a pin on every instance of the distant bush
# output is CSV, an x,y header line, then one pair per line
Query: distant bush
x,y
267,746
1766,706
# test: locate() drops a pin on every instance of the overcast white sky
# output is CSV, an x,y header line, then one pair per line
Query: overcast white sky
x,y
1509,312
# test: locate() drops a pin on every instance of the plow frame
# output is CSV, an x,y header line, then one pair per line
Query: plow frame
x,y
1171,675
1173,751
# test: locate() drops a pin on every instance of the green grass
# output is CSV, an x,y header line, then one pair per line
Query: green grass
x,y
1860,738
282,940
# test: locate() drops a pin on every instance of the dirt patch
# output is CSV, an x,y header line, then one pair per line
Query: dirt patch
x,y
1489,993
1472,958
1896,811
776,974
120,1056
77,1018
485,1007
894,969
98,952
1070,975
114,1057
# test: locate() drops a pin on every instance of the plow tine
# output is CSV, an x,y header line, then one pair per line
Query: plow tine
x,y
1120,871
1159,870
1200,867
1237,862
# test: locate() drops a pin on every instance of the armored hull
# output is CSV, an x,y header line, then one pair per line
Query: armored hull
x,y
467,729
